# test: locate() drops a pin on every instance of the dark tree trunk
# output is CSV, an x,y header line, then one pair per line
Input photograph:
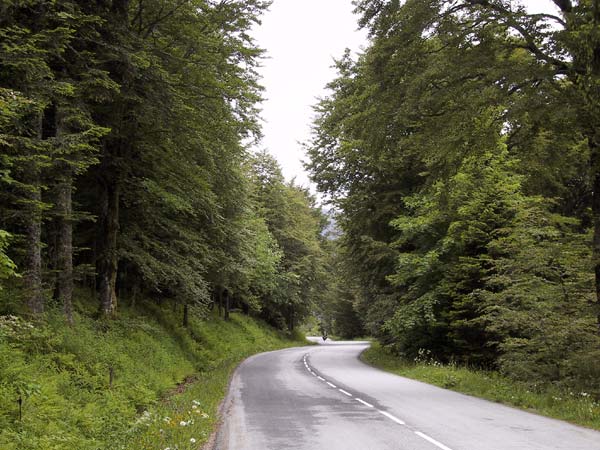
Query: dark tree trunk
x,y
33,232
592,96
226,309
64,245
185,315
113,157
108,258
292,318
34,295
134,294
220,300
595,163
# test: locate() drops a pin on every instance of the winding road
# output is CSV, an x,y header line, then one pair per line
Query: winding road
x,y
324,398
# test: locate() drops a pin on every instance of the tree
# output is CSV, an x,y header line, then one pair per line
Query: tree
x,y
565,45
434,144
295,223
186,99
539,302
44,126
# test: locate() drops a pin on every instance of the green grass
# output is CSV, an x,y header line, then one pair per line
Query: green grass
x,y
577,408
62,376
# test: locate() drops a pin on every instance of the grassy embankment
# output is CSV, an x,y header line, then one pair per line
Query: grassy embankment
x,y
575,407
167,381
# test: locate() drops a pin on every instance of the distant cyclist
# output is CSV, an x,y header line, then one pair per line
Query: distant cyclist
x,y
323,331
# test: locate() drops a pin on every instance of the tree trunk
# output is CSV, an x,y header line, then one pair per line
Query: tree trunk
x,y
134,293
226,310
34,295
595,164
65,244
591,89
220,300
108,258
291,317
185,315
33,231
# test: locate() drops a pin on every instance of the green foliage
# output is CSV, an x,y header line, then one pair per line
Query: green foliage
x,y
7,267
448,231
62,375
461,156
295,225
336,313
539,300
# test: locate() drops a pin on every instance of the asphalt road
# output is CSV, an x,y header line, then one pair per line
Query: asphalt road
x,y
324,398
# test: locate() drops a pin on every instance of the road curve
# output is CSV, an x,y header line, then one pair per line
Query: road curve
x,y
324,398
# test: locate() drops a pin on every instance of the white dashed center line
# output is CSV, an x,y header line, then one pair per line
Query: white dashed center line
x,y
345,392
389,416
433,441
364,403
386,414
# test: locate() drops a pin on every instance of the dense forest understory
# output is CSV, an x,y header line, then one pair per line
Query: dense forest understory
x,y
461,153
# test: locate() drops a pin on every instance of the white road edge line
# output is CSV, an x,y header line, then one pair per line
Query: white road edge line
x,y
331,384
433,441
345,392
364,403
321,378
395,419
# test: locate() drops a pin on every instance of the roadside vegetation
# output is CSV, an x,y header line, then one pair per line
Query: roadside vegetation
x,y
140,381
461,154
578,407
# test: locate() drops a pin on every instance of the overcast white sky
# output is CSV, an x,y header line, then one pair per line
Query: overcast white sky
x,y
302,38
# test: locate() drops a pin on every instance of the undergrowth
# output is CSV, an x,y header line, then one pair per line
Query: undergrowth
x,y
140,381
576,407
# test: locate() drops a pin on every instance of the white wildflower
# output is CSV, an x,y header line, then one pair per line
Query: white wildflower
x,y
192,440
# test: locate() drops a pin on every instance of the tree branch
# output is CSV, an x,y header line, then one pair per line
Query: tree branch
x,y
564,5
509,18
148,28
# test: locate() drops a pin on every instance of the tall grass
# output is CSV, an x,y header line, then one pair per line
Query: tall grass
x,y
138,382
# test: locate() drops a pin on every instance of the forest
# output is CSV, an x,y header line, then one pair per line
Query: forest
x,y
125,164
462,153
458,159
130,200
